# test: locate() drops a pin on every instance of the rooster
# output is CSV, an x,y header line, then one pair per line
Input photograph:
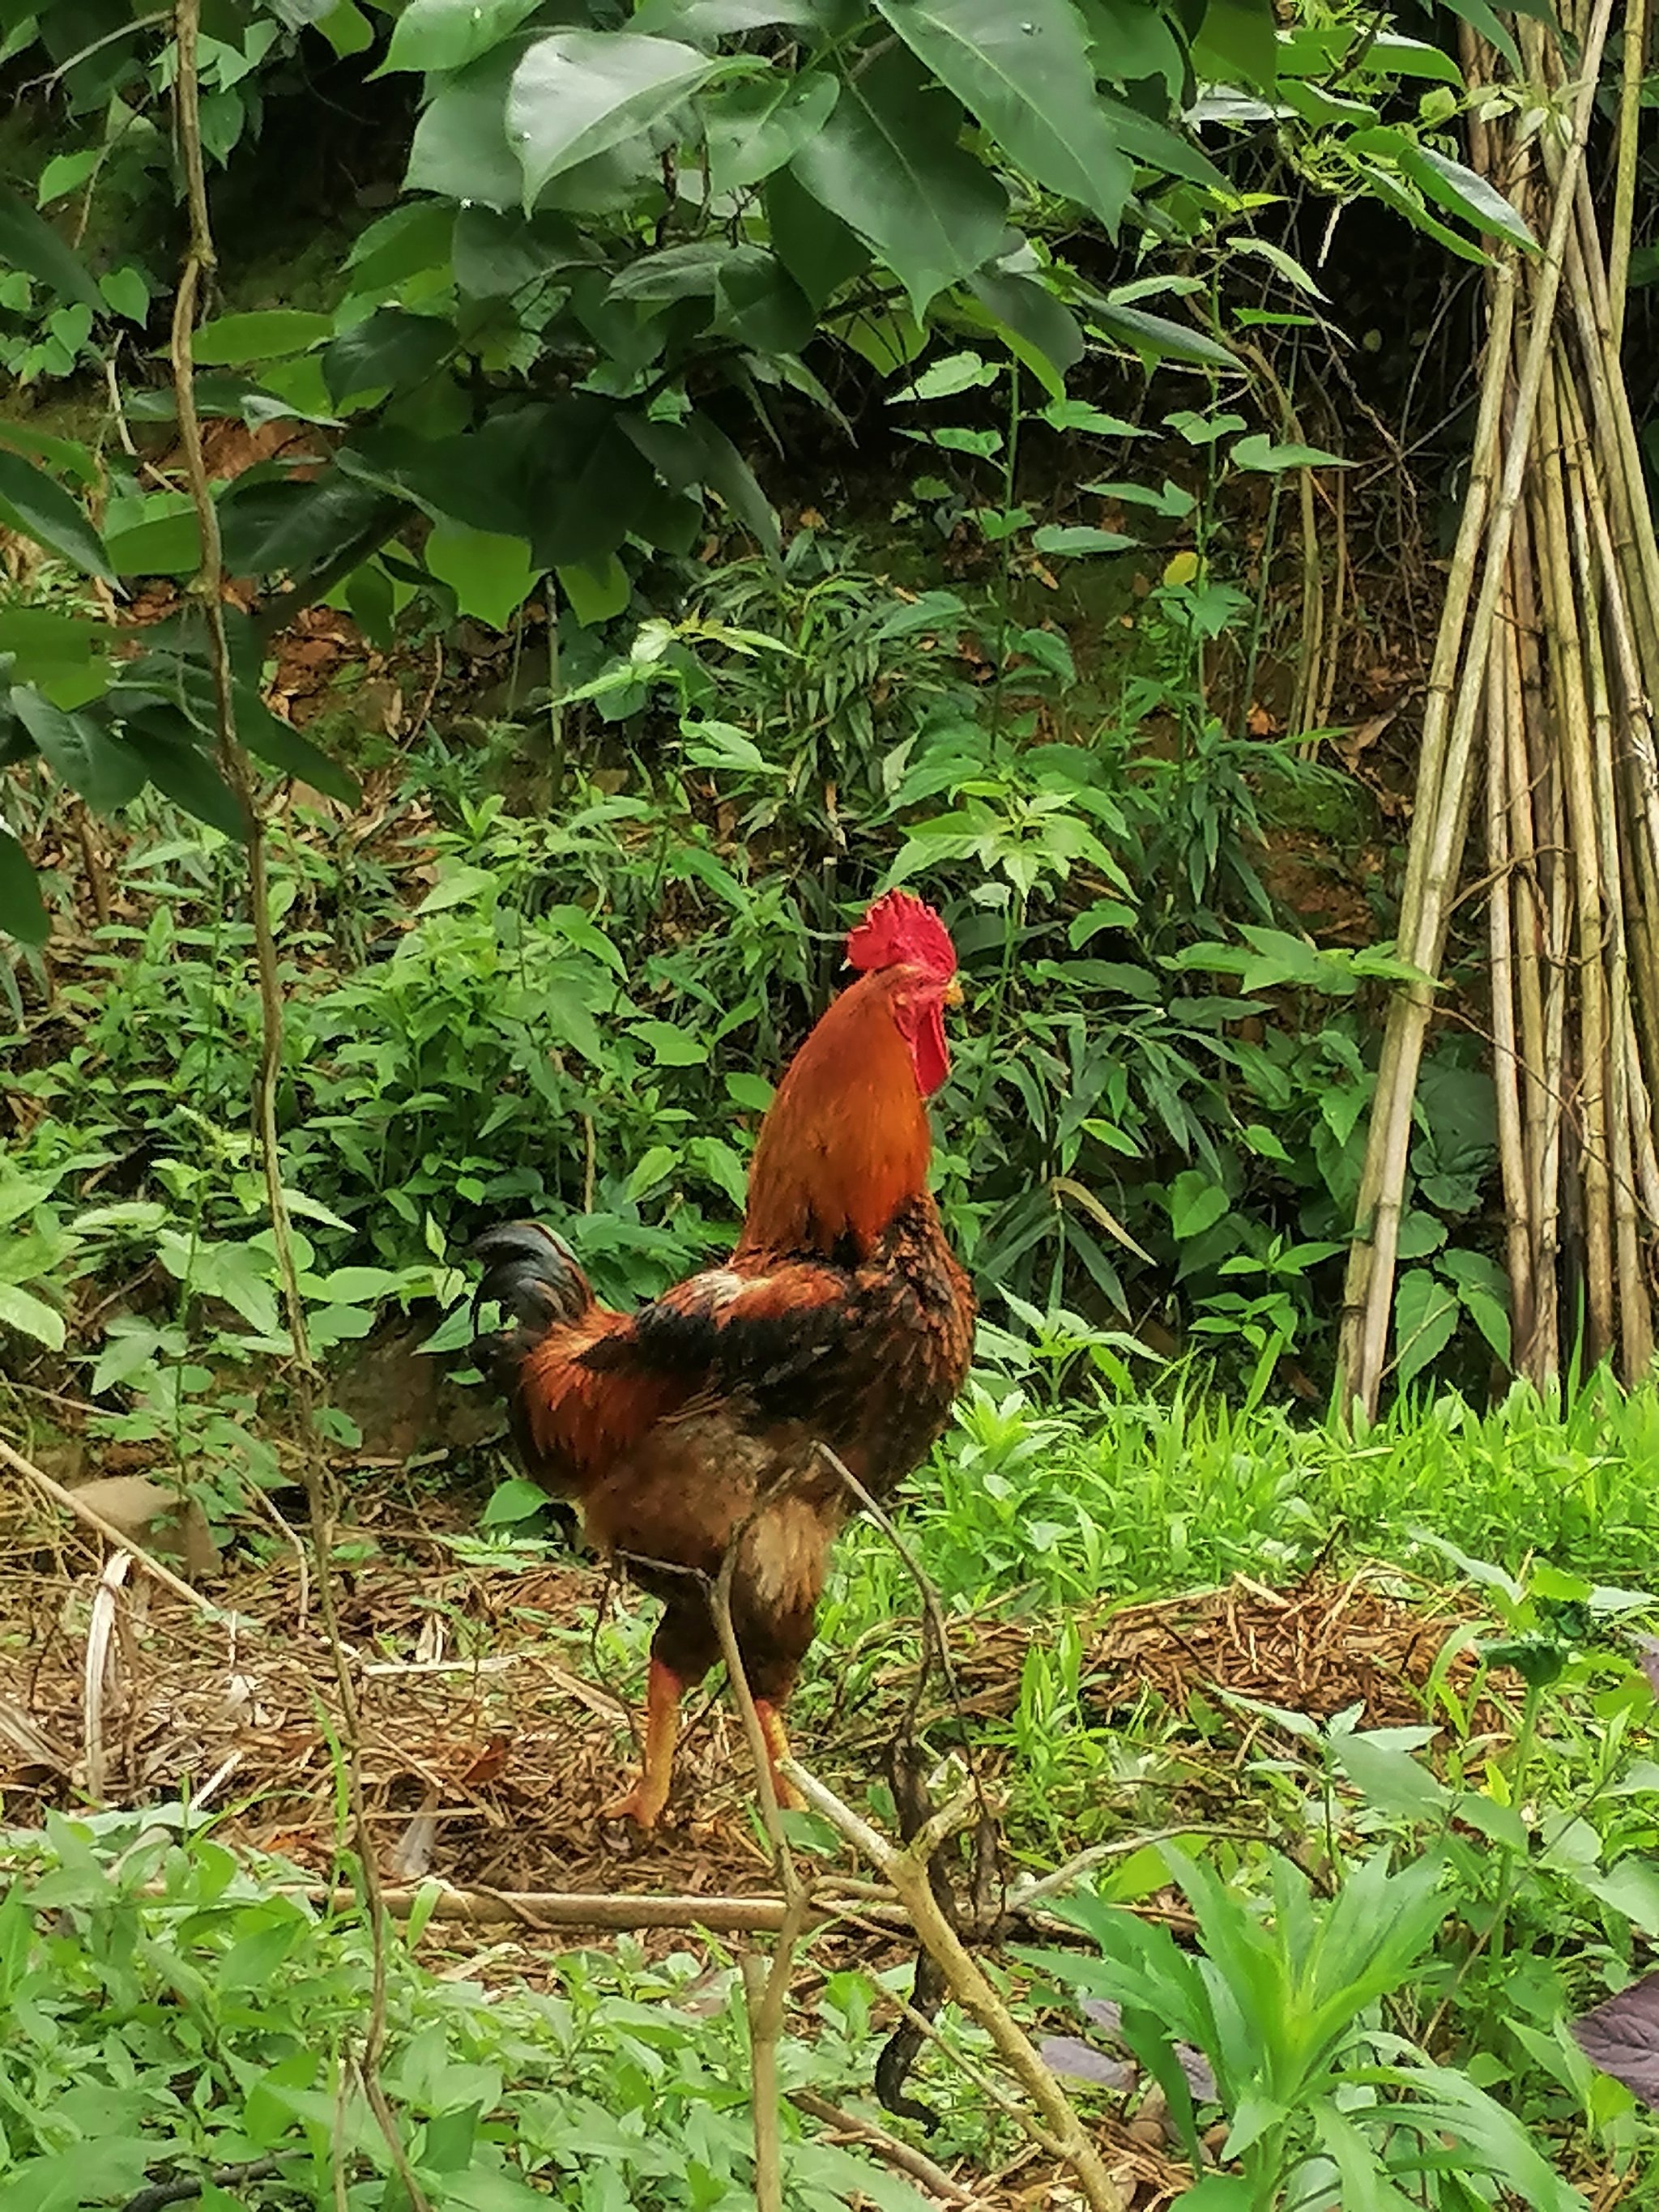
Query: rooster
x,y
841,1319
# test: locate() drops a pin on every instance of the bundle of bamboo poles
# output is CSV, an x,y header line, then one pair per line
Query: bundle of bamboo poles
x,y
1547,662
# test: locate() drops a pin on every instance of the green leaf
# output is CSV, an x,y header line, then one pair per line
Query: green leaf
x,y
889,164
1237,39
1484,1289
1389,1778
35,504
1133,43
166,540
271,334
27,241
1076,538
166,743
671,1046
1024,71
80,752
1466,193
754,128
127,294
1035,326
289,528
386,349
22,911
728,474
1391,54
1259,452
1196,1204
595,592
276,742
490,575
820,251
1081,415
1425,1315
577,93
447,35
719,19
22,1310
511,1501
460,147
1155,338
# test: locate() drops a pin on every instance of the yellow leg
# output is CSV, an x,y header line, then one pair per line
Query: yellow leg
x,y
777,1747
644,1802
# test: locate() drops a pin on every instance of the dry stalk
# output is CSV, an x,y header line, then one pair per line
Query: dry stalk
x,y
907,1871
146,1560
915,2163
765,1986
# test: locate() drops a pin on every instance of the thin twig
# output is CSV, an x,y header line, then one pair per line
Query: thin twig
x,y
915,2163
969,1984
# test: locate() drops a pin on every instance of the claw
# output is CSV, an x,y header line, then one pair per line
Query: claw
x,y
633,1805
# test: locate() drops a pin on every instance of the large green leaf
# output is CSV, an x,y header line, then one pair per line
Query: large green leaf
x,y
1155,338
1131,42
728,474
157,535
1237,43
1466,193
490,575
22,911
483,478
60,653
175,763
271,334
817,247
447,35
752,128
1425,1315
387,349
286,528
35,504
720,19
497,252
80,752
460,147
888,162
281,746
1024,70
588,482
1042,331
577,93
27,241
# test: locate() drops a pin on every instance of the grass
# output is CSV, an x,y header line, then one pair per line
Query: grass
x,y
1158,1493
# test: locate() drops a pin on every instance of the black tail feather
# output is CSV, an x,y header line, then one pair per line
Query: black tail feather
x,y
532,1276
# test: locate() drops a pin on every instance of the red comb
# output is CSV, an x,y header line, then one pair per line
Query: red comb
x,y
902,931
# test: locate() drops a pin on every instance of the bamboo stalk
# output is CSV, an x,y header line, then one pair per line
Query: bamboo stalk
x,y
1624,187
1362,1259
1558,466
1369,1296
1503,707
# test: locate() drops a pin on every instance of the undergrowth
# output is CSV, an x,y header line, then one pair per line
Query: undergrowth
x,y
1394,1925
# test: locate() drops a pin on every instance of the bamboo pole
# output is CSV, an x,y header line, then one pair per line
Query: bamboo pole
x,y
1368,1299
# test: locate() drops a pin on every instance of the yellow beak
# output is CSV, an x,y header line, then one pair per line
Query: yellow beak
x,y
952,992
